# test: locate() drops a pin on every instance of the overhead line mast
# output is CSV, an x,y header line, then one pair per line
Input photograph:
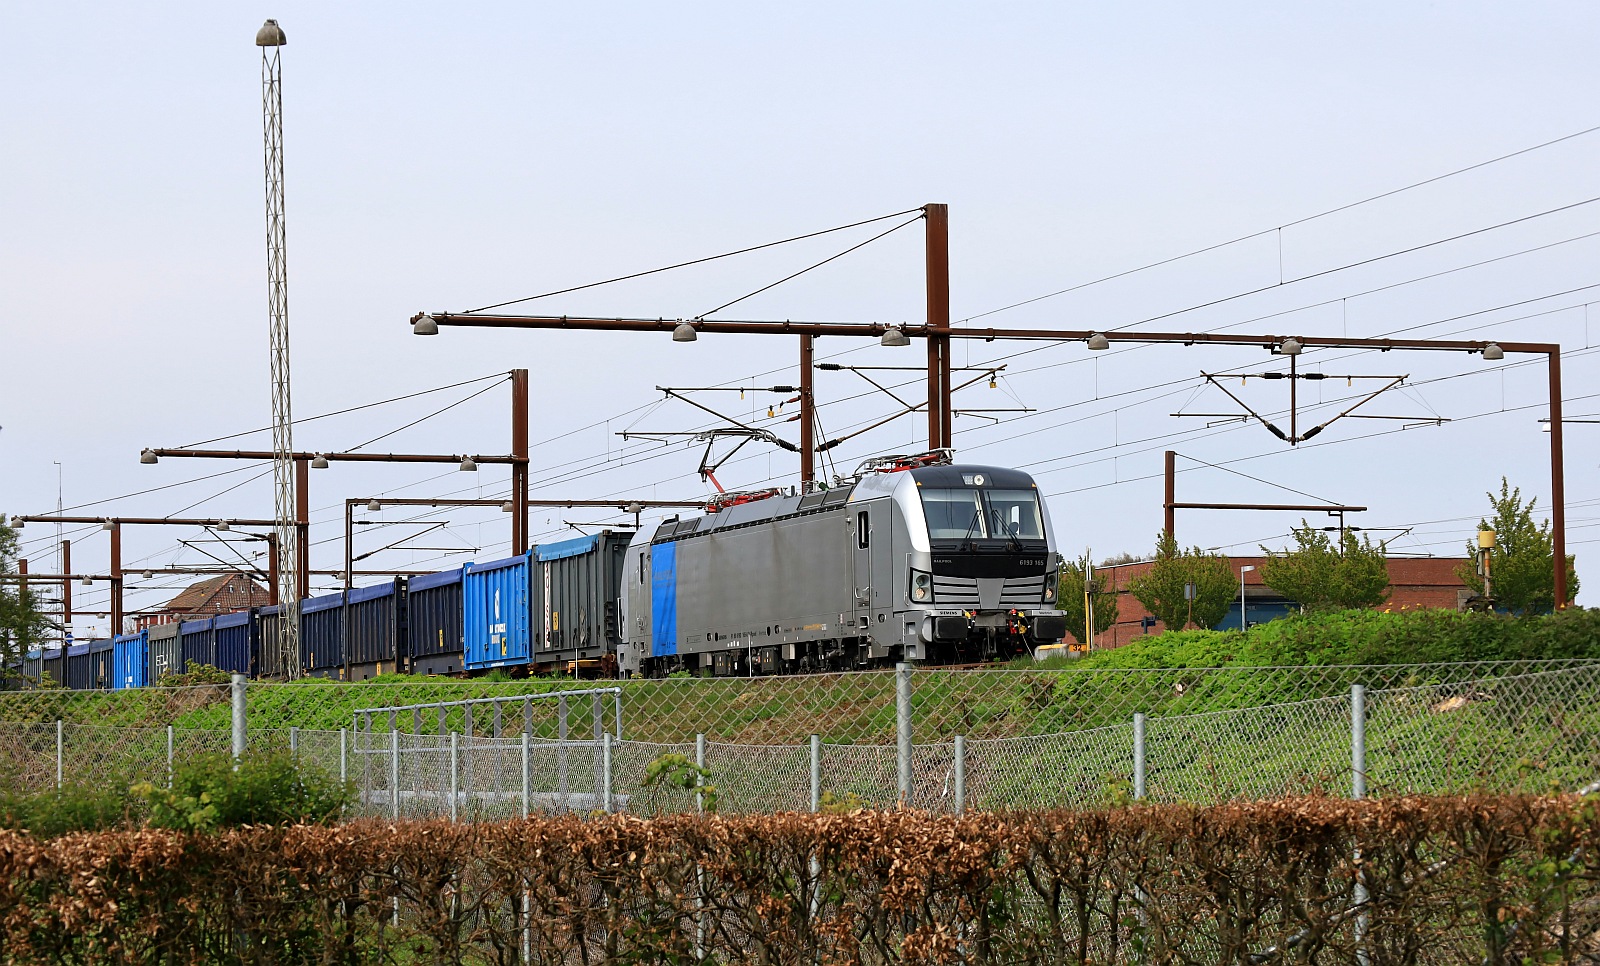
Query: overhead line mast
x,y
270,39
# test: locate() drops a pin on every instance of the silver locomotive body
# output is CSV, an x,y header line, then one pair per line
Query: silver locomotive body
x,y
938,564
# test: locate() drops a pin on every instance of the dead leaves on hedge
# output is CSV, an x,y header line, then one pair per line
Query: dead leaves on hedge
x,y
1498,879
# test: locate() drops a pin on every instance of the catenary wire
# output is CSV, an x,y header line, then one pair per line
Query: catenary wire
x,y
696,261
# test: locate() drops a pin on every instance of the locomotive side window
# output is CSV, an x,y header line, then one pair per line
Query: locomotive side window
x,y
863,530
641,566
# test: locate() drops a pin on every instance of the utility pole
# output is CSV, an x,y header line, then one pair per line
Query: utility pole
x,y
270,39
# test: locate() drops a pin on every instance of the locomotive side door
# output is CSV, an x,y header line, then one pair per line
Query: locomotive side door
x,y
874,574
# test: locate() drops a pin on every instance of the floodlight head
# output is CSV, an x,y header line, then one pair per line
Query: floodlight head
x,y
507,507
319,462
893,336
1544,425
685,332
374,506
1493,353
1290,346
16,522
148,575
107,525
270,35
223,525
147,456
1098,342
424,325
86,582
467,465
635,507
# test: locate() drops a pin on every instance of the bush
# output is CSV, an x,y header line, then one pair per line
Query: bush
x,y
1367,637
1487,879
265,789
74,807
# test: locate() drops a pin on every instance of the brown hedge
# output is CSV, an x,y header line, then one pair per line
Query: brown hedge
x,y
1487,879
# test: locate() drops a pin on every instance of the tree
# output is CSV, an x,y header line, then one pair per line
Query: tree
x,y
1319,576
22,623
1522,563
1069,599
1161,588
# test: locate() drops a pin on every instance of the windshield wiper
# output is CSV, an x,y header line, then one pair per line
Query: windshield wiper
x,y
977,518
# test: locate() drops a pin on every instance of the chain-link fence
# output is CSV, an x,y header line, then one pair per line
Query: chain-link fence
x,y
847,708
1512,730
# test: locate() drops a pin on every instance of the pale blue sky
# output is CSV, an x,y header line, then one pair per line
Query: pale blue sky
x,y
448,156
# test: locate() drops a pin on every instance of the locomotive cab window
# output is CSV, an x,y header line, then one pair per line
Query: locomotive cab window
x,y
863,530
1015,513
641,567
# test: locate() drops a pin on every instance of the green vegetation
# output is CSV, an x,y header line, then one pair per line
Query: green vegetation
x,y
1164,589
1364,637
1320,576
22,623
1522,564
1070,598
207,793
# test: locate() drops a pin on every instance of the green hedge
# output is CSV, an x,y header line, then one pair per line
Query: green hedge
x,y
1364,637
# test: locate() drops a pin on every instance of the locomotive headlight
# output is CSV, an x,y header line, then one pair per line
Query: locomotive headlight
x,y
921,587
1051,582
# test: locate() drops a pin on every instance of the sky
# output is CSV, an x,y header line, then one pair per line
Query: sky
x,y
446,157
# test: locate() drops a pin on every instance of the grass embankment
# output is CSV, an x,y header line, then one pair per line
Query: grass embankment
x,y
1184,672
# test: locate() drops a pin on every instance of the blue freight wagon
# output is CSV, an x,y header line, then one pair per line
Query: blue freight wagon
x,y
433,623
374,629
130,659
199,644
33,664
79,675
54,662
101,664
496,615
579,583
238,641
166,651
322,635
270,664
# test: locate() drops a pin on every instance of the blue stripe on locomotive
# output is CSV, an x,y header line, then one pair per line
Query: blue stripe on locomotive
x,y
663,599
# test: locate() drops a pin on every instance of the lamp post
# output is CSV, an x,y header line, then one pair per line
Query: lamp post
x,y
1244,625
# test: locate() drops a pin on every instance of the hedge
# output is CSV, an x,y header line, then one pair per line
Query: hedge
x,y
1488,879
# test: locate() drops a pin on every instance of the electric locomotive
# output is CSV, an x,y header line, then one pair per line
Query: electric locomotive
x,y
914,559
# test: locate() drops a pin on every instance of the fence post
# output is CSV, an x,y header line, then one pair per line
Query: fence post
x,y
344,755
61,741
525,776
1138,756
816,773
616,701
605,797
394,772
561,754
455,771
294,742
238,716
961,774
169,756
902,729
700,765
1358,790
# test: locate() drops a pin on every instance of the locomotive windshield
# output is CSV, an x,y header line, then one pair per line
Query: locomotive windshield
x,y
978,514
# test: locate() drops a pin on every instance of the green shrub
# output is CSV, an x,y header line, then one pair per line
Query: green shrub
x,y
266,789
74,807
1366,637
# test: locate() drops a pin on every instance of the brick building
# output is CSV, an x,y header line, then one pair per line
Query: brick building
x,y
215,595
1413,582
